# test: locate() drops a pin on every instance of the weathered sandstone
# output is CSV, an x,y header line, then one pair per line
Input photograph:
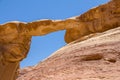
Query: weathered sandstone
x,y
97,58
15,37
99,19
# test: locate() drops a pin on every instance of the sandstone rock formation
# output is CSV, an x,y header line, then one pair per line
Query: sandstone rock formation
x,y
15,37
96,20
97,58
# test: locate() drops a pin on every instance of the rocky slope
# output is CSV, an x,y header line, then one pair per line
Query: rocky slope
x,y
97,58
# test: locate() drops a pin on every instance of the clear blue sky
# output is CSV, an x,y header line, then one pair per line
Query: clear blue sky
x,y
31,10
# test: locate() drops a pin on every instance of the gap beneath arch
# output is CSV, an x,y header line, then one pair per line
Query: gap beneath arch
x,y
42,47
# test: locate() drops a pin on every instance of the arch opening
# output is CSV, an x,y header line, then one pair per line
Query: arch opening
x,y
42,47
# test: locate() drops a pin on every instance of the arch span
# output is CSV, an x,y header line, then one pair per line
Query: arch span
x,y
15,37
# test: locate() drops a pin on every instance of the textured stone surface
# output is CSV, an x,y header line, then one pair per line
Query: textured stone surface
x,y
96,20
97,58
15,37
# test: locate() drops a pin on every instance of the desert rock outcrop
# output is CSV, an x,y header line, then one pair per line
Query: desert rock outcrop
x,y
15,37
97,58
99,19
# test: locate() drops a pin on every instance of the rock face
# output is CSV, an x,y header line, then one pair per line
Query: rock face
x,y
96,20
15,37
97,58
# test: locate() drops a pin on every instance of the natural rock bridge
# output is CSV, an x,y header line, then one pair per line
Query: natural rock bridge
x,y
15,37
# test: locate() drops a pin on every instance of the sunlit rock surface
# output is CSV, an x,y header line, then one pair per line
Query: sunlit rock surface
x,y
97,58
96,20
15,39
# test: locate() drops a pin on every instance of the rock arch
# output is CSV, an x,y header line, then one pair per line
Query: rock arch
x,y
15,37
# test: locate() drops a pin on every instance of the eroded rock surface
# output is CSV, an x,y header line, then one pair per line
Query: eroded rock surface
x,y
96,20
97,58
15,37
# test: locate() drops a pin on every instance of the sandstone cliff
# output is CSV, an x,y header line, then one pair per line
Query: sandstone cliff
x,y
97,58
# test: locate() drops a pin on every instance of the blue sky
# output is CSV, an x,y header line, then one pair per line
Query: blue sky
x,y
31,10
